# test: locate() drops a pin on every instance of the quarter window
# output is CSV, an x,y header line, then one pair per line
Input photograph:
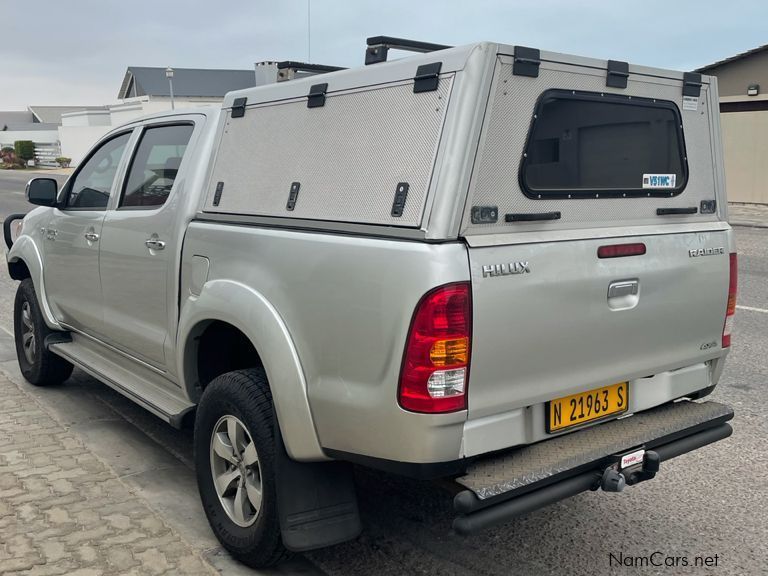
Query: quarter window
x,y
93,182
155,166
585,145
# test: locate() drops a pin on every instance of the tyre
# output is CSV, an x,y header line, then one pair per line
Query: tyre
x,y
235,464
38,365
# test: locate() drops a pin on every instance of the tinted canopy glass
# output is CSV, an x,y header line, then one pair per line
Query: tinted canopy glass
x,y
588,145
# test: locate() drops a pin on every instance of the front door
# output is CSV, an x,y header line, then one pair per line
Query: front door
x,y
71,247
139,245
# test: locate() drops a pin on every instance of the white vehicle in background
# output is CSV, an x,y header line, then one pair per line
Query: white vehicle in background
x,y
501,266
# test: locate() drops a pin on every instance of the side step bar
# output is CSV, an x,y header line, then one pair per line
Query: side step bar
x,y
128,378
667,432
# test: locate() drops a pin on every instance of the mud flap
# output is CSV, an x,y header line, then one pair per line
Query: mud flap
x,y
316,502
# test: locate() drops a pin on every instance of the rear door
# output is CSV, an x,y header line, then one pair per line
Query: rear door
x,y
139,244
589,207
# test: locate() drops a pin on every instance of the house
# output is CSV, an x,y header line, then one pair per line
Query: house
x,y
743,84
146,90
40,124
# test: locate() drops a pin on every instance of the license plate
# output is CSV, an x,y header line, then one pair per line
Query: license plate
x,y
587,406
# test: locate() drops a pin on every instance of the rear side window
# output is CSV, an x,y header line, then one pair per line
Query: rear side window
x,y
155,166
588,145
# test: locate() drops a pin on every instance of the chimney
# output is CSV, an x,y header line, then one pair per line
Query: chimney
x,y
266,72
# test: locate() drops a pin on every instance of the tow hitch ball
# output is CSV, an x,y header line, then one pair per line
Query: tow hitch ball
x,y
614,480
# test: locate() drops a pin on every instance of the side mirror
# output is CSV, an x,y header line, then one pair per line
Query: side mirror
x,y
42,191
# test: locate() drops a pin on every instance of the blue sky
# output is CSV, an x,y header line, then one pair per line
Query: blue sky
x,y
76,52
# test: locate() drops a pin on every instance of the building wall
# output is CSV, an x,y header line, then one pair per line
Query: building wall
x,y
80,131
87,118
734,77
8,137
133,108
77,140
745,140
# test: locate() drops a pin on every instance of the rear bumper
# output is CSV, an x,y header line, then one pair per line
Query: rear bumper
x,y
448,443
516,482
527,425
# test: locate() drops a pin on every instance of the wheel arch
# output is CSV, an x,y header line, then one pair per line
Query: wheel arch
x,y
237,308
25,261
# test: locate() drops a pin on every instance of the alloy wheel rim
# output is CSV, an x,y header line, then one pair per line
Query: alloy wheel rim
x,y
236,470
28,338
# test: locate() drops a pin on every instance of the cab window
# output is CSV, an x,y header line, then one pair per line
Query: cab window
x,y
155,166
92,184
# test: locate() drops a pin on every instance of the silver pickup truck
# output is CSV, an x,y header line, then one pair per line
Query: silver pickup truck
x,y
502,267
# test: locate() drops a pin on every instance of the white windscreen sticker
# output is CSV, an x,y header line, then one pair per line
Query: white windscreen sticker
x,y
659,180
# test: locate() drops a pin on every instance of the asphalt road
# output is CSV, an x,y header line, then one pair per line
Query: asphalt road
x,y
713,503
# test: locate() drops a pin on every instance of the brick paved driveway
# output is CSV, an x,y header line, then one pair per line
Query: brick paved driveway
x,y
63,511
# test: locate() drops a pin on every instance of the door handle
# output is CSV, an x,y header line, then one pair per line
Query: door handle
x,y
623,288
91,236
154,243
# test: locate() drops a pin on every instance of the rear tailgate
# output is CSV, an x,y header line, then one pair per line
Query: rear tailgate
x,y
554,330
565,165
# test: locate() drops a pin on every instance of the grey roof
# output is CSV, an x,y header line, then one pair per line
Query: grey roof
x,y
52,114
13,117
733,58
142,81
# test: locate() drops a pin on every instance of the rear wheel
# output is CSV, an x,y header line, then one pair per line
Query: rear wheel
x,y
38,365
235,464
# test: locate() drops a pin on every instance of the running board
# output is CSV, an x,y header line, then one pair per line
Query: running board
x,y
135,383
519,481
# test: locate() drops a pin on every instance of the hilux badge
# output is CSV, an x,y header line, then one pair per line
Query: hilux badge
x,y
506,269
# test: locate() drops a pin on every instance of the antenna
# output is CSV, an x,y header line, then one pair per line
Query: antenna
x,y
309,28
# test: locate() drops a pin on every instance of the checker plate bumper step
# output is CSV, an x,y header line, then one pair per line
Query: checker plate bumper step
x,y
518,481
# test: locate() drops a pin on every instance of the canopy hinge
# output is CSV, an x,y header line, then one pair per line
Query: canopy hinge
x,y
618,72
316,97
692,84
526,62
238,107
427,77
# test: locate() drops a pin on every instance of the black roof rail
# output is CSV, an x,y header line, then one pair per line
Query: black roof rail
x,y
378,47
289,70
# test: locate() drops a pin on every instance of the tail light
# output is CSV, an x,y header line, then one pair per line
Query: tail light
x,y
731,309
435,369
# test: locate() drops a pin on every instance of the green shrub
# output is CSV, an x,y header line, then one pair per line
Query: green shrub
x,y
25,149
63,161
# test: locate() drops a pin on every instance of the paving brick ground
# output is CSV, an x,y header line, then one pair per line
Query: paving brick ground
x,y
63,511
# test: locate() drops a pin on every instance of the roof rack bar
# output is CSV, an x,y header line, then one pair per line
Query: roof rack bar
x,y
289,70
378,47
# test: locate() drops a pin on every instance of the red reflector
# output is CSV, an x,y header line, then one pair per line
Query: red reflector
x,y
435,367
730,309
621,250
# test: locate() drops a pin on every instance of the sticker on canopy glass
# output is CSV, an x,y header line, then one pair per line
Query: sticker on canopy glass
x,y
690,103
659,180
